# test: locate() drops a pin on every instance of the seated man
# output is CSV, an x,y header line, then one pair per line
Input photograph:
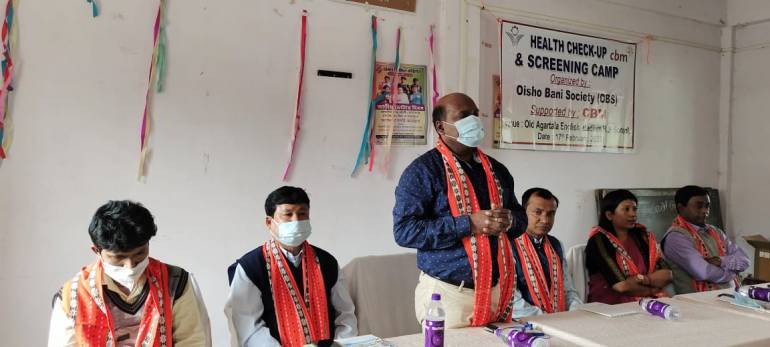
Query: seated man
x,y
126,298
287,292
542,276
701,255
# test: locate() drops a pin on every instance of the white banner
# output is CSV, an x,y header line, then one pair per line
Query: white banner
x,y
565,92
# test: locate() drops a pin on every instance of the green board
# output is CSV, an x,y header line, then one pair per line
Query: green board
x,y
657,208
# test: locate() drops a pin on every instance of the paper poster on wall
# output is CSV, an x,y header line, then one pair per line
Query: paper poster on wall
x,y
407,118
565,92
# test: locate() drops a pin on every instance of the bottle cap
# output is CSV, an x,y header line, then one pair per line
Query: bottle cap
x,y
435,297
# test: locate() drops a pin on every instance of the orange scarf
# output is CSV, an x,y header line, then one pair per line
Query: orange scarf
x,y
624,260
681,223
304,320
621,255
83,300
463,201
548,299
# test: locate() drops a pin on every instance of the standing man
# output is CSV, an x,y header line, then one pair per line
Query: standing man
x,y
127,298
457,207
541,271
701,256
288,292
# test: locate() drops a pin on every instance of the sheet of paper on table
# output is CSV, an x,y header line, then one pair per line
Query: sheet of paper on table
x,y
363,341
609,310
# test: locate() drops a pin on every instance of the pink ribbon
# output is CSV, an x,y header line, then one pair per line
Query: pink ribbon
x,y
434,82
298,108
146,115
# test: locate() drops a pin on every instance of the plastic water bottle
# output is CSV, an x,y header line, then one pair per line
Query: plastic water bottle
x,y
660,309
433,325
519,337
759,293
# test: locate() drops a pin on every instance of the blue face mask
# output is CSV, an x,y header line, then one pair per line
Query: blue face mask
x,y
744,300
293,233
470,131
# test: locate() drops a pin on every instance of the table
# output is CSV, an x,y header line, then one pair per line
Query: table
x,y
700,325
466,337
705,321
710,299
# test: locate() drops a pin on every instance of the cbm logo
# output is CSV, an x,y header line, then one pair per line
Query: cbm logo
x,y
514,35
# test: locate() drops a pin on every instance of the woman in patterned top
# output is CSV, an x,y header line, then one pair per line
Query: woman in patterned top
x,y
623,259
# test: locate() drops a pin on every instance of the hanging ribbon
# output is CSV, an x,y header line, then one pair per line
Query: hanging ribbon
x,y
385,163
8,37
94,8
297,108
396,66
160,56
366,151
156,77
434,83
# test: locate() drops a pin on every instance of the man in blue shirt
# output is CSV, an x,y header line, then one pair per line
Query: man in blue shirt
x,y
458,236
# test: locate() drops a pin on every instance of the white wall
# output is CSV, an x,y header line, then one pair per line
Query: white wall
x,y
746,11
222,127
749,123
220,137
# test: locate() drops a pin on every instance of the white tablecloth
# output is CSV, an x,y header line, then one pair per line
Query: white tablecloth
x,y
700,325
705,321
467,337
710,299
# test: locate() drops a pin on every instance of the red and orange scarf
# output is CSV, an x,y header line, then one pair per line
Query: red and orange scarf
x,y
303,320
681,223
549,299
463,201
83,300
622,258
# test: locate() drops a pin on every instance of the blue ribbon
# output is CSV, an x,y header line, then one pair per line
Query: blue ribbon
x,y
94,8
365,149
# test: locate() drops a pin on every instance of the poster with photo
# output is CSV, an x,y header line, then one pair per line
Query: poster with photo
x,y
402,110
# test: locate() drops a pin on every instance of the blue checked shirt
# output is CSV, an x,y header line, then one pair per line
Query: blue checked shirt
x,y
423,220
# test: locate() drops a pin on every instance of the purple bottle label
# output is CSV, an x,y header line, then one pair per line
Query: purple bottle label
x,y
434,333
759,293
518,338
656,308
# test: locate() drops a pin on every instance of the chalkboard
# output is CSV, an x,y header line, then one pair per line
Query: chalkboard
x,y
657,208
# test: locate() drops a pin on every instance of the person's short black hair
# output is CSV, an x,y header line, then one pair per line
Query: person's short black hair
x,y
684,194
121,226
285,195
537,191
439,114
610,202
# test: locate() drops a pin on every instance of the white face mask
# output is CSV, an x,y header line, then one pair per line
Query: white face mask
x,y
127,277
293,233
470,130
